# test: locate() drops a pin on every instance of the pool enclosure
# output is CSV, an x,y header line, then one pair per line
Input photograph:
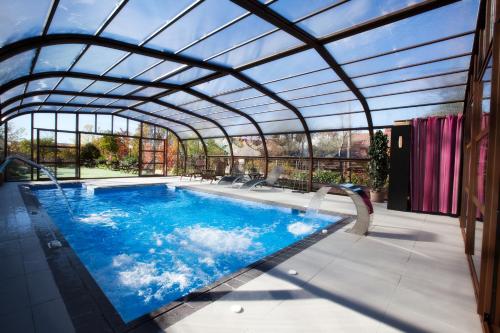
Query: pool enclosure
x,y
123,88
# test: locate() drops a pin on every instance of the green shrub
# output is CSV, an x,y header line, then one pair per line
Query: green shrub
x,y
379,161
327,177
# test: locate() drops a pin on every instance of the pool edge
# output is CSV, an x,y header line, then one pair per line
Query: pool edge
x,y
90,309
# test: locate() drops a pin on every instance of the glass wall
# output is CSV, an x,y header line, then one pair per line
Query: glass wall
x,y
87,146
19,143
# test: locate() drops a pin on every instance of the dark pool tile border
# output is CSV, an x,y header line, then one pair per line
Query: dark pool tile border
x,y
91,311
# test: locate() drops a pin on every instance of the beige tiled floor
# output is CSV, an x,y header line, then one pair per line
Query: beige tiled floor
x,y
409,274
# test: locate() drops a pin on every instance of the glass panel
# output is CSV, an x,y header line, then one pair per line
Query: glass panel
x,y
287,145
104,123
414,56
415,98
323,76
315,90
119,125
35,99
433,82
97,60
108,156
57,57
159,71
16,91
44,120
440,67
486,102
235,34
59,98
302,62
139,19
16,66
83,100
84,17
435,24
148,92
260,48
67,170
66,122
42,84
219,86
124,89
188,75
101,87
247,146
179,98
323,99
296,9
22,19
207,16
66,139
217,146
327,109
241,130
387,118
19,142
239,95
353,120
132,65
349,14
134,128
86,123
281,126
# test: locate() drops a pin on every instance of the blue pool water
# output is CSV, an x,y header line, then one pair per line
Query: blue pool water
x,y
149,245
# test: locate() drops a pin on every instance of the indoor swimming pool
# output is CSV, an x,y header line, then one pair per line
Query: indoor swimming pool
x,y
147,246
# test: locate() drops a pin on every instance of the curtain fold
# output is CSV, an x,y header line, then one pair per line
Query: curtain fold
x,y
435,164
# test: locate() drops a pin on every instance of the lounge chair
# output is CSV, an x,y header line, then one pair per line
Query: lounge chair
x,y
235,177
271,179
220,168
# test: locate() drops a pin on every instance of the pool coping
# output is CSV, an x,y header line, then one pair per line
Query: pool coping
x,y
91,310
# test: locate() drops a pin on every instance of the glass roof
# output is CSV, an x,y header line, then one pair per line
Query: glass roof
x,y
202,67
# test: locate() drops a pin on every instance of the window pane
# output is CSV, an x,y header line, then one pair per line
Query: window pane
x,y
72,84
101,87
86,122
84,17
281,126
237,33
349,14
13,92
103,123
22,19
219,86
388,117
160,71
119,125
44,120
414,56
124,89
206,17
134,128
439,67
354,120
415,98
132,65
57,57
276,42
97,60
287,145
139,19
188,75
42,84
326,109
66,122
16,66
59,98
435,24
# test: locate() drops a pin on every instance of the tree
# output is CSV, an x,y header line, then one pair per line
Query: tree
x,y
108,146
89,153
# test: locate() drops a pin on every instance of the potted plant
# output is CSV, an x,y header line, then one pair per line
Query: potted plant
x,y
378,168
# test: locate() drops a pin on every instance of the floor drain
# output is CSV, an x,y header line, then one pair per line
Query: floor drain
x,y
54,244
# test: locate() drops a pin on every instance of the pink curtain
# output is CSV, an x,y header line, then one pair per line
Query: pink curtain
x,y
435,164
